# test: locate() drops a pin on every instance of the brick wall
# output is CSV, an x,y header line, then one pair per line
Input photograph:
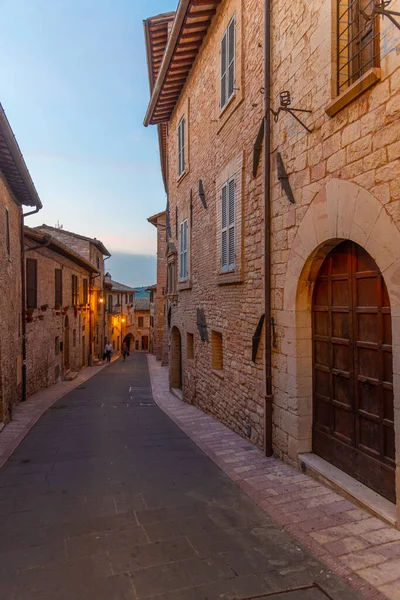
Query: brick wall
x,y
10,304
160,302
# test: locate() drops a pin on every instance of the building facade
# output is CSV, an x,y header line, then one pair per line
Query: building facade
x,y
143,331
16,191
334,224
160,340
94,252
58,301
120,311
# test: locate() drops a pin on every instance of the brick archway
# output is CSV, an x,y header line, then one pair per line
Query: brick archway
x,y
340,211
176,359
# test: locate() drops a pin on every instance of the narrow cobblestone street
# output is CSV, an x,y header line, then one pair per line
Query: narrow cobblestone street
x,y
106,498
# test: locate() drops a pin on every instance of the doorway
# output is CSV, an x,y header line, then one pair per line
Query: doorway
x,y
176,359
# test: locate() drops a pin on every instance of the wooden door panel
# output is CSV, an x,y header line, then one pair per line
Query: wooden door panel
x,y
353,372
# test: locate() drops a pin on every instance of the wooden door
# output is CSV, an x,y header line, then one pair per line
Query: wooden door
x,y
353,419
145,342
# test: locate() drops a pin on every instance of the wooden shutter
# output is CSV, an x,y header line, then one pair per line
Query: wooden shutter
x,y
85,291
231,59
181,146
186,245
224,67
224,227
231,221
183,251
58,287
31,283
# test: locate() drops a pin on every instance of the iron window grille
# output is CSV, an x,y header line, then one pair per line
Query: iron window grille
x,y
358,45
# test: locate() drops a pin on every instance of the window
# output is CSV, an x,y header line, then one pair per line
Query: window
x,y
171,278
181,146
131,298
190,346
357,41
85,291
58,287
8,241
98,262
75,295
56,345
228,60
31,283
228,206
217,361
183,251
110,303
140,321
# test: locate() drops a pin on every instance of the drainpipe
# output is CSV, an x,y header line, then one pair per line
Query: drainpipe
x,y
267,231
23,300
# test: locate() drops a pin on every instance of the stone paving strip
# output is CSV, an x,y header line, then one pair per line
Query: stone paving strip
x,y
26,414
360,548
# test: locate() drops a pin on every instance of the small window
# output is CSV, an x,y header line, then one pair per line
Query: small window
x,y
131,298
140,321
85,291
75,291
57,345
217,361
31,283
58,287
228,63
358,46
228,210
190,346
8,240
183,252
181,146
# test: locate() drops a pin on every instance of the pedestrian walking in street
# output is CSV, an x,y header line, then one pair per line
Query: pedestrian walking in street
x,y
108,351
124,350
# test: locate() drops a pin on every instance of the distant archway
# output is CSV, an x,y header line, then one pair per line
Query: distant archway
x,y
176,359
129,340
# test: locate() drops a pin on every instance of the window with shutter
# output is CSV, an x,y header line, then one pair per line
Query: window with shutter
x,y
183,251
85,291
228,63
75,292
181,146
8,241
31,283
58,287
228,209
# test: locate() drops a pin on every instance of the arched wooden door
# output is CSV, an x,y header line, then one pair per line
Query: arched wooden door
x,y
353,418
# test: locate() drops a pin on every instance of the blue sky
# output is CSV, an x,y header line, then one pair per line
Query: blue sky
x,y
74,86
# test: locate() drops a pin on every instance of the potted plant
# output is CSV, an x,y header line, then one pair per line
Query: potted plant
x,y
65,310
57,308
44,307
29,314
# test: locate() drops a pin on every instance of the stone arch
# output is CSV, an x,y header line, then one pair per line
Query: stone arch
x,y
176,358
129,340
340,211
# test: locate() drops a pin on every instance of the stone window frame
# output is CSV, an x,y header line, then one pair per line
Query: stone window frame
x,y
362,84
184,250
234,169
227,62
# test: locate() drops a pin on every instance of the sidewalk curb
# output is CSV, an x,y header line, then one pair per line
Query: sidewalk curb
x,y
27,414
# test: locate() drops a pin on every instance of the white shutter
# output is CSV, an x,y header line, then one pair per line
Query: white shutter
x,y
181,252
224,68
181,146
231,221
224,227
231,59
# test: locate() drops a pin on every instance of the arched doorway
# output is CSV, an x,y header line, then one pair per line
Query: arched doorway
x,y
176,359
66,345
353,407
129,340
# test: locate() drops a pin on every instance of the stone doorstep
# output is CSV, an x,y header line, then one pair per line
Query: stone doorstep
x,y
347,486
177,393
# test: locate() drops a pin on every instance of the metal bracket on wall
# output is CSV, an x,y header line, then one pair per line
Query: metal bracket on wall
x,y
285,100
380,8
284,178
202,194
257,338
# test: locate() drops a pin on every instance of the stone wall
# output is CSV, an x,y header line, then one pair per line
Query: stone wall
x,y
10,304
55,334
160,301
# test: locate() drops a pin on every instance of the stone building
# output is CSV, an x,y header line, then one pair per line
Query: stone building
x,y
16,191
58,305
120,303
160,343
152,290
227,87
94,252
143,328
